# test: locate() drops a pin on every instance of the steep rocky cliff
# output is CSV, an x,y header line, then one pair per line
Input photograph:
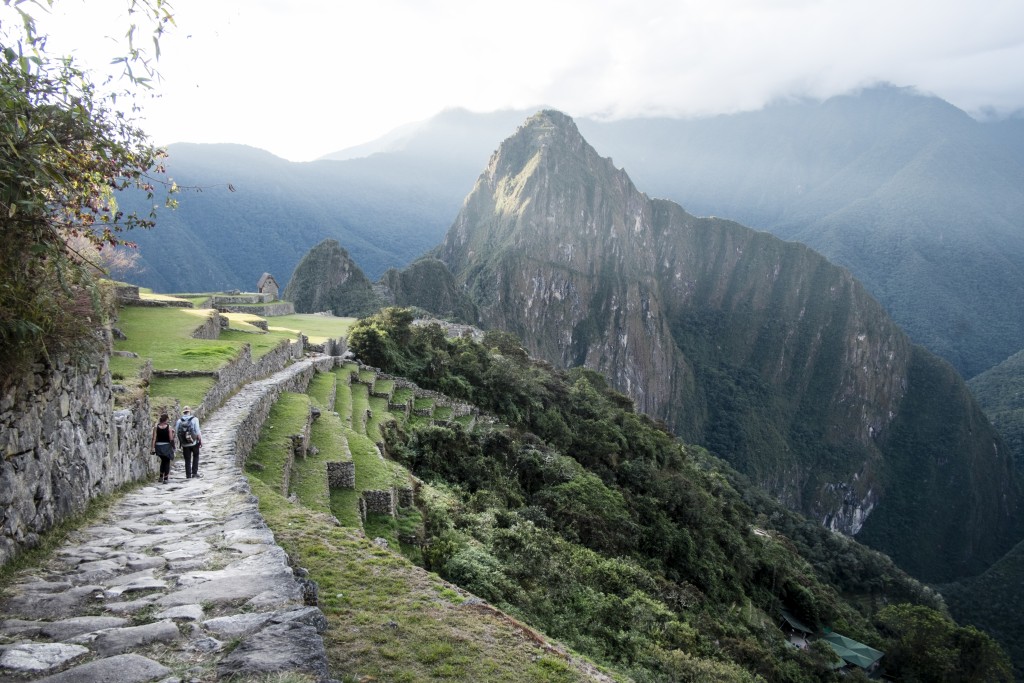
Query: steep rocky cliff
x,y
326,279
759,348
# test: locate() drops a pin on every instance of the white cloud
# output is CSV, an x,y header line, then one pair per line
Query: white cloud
x,y
307,77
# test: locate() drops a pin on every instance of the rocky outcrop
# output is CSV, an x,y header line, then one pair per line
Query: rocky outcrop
x,y
326,279
760,349
429,285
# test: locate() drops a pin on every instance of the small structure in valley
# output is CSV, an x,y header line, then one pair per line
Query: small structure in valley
x,y
853,653
267,285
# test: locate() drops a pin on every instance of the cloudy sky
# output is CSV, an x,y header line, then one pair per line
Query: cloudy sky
x,y
303,78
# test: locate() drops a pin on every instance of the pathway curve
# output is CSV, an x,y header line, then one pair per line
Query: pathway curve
x,y
179,582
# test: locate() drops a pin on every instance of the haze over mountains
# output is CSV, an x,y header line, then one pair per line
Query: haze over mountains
x,y
924,204
759,349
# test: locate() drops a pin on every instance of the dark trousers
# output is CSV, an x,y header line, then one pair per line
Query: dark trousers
x,y
165,466
191,455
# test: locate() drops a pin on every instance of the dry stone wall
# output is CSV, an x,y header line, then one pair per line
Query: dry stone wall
x,y
267,310
296,381
64,444
341,475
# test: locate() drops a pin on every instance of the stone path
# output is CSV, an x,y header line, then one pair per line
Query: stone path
x,y
180,582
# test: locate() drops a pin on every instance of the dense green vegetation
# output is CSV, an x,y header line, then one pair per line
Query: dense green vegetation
x,y
65,151
326,279
992,600
595,524
1000,392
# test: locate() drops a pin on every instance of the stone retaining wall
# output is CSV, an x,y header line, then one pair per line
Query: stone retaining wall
x,y
64,444
210,329
459,409
331,347
381,501
219,300
341,475
266,310
249,428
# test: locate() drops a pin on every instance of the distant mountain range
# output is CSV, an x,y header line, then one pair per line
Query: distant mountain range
x,y
922,203
757,348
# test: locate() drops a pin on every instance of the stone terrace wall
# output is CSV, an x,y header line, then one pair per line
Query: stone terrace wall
x,y
209,329
341,475
266,310
63,444
229,299
298,381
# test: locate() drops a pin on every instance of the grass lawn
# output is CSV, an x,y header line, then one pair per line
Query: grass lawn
x,y
319,328
343,397
186,391
243,322
164,335
389,620
345,506
402,395
378,414
373,473
384,386
269,458
261,344
322,390
360,402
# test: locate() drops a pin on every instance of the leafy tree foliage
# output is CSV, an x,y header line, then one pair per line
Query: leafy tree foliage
x,y
66,150
594,523
930,647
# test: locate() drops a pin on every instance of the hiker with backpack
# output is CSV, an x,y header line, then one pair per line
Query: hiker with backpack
x,y
191,440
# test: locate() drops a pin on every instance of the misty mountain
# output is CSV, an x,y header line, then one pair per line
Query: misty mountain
x,y
922,203
1000,392
386,213
757,348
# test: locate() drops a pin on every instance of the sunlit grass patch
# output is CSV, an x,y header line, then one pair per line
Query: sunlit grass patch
x,y
322,389
165,336
244,322
261,344
185,391
318,328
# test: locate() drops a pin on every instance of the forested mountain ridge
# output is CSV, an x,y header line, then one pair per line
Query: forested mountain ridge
x,y
1000,392
922,203
760,349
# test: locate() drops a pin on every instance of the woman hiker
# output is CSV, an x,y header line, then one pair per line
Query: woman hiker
x,y
163,445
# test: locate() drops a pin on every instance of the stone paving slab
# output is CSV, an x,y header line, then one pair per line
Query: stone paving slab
x,y
154,590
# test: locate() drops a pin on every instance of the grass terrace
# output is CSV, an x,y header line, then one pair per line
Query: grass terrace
x,y
318,328
389,620
269,459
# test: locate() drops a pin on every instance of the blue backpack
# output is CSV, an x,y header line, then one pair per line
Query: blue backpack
x,y
187,431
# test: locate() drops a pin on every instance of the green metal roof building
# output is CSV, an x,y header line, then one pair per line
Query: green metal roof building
x,y
852,652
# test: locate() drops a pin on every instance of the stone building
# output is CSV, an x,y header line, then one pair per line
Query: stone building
x,y
267,285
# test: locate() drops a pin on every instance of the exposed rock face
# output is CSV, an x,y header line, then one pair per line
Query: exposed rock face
x,y
428,284
326,279
759,348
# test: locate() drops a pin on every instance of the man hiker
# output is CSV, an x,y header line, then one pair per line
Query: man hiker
x,y
190,438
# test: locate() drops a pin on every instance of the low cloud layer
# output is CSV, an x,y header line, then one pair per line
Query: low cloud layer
x,y
301,79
